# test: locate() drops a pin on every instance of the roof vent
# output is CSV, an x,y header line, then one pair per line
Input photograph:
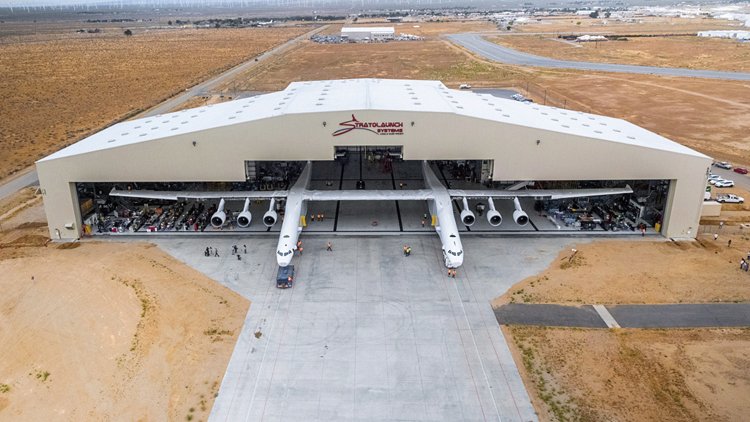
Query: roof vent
x,y
566,126
597,131
142,134
630,137
506,115
125,134
111,140
586,124
174,128
137,127
555,120
155,127
184,122
232,117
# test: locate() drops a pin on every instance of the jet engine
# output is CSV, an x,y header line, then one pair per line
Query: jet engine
x,y
519,215
270,217
244,218
219,217
493,216
467,217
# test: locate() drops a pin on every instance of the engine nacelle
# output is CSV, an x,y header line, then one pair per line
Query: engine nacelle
x,y
219,217
467,217
493,216
245,217
270,217
520,217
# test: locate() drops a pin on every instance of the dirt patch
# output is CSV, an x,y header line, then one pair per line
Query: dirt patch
x,y
27,241
706,115
57,92
595,375
150,336
609,272
431,59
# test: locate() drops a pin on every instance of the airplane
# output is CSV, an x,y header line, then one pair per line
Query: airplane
x,y
439,200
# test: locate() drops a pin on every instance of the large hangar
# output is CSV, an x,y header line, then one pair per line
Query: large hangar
x,y
470,140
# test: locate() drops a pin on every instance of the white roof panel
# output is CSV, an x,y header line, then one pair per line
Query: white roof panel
x,y
372,94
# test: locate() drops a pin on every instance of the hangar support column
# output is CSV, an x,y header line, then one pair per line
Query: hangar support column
x,y
61,206
682,213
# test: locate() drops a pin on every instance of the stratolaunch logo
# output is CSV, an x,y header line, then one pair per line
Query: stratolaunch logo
x,y
378,128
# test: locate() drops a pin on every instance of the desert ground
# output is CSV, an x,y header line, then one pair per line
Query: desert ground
x,y
628,375
106,331
56,92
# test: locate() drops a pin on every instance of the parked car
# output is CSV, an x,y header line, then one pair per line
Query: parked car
x,y
724,184
740,170
464,86
713,181
730,198
712,176
723,164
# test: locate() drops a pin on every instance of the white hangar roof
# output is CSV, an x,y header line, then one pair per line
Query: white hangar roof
x,y
372,94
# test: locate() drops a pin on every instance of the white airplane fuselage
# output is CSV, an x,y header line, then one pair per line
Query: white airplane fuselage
x,y
442,207
296,207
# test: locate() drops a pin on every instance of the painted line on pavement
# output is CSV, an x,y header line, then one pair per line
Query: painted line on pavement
x,y
606,316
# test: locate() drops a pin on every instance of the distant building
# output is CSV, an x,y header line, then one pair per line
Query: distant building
x,y
735,35
368,33
590,38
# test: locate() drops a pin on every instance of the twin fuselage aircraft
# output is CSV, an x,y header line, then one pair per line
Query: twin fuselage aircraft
x,y
439,200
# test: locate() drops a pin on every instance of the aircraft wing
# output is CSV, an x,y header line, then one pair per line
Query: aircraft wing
x,y
538,193
178,195
369,195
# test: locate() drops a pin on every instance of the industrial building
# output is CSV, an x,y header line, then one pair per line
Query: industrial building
x,y
372,134
368,33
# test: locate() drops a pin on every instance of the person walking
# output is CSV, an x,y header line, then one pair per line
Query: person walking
x,y
743,263
729,243
423,223
300,250
716,236
216,252
245,247
404,250
329,247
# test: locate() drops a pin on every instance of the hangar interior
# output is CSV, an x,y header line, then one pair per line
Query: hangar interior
x,y
372,168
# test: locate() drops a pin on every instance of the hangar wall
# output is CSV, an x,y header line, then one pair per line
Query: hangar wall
x,y
519,153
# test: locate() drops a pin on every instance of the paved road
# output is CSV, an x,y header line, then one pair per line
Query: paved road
x,y
629,316
31,178
369,335
17,183
498,53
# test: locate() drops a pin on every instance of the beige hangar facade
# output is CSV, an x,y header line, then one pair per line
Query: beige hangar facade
x,y
308,120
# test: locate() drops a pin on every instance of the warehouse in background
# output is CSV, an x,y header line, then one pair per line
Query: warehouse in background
x,y
368,33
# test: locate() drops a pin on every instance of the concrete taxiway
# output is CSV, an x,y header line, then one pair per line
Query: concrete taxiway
x,y
498,53
368,334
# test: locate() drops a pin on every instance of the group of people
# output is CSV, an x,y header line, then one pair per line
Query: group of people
x,y
316,217
211,251
745,263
